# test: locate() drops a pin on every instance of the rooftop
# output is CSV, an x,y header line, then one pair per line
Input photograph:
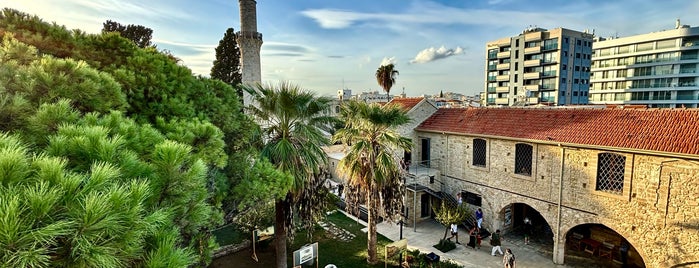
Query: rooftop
x,y
407,103
660,130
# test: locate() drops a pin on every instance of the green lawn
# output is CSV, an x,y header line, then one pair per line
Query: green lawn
x,y
340,253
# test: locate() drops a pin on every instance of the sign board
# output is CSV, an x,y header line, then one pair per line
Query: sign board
x,y
393,249
305,254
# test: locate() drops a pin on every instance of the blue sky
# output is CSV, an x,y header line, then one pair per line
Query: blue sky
x,y
323,45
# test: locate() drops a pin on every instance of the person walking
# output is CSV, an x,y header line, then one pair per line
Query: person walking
x,y
454,232
479,217
509,259
527,230
495,242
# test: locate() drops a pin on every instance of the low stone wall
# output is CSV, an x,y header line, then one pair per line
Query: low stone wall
x,y
229,249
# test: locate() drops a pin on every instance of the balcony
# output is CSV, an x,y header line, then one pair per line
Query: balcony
x,y
424,174
502,89
503,54
503,101
534,36
534,62
532,50
503,66
504,77
535,75
532,87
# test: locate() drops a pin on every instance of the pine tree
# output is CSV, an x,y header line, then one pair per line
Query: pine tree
x,y
227,64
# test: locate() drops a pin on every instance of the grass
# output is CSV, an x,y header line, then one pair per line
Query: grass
x,y
229,235
342,254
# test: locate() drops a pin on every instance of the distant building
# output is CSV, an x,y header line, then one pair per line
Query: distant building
x,y
372,96
539,66
655,69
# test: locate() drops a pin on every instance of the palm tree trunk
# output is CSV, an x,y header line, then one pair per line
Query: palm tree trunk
x,y
280,232
371,224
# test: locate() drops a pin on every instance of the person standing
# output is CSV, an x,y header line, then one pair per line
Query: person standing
x,y
495,242
458,198
479,217
509,259
624,252
472,237
527,230
454,232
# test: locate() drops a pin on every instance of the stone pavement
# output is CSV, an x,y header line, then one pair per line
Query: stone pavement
x,y
429,232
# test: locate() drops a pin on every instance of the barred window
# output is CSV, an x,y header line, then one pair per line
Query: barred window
x,y
479,152
610,173
523,159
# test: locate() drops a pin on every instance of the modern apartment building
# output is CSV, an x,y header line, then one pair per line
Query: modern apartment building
x,y
539,66
657,69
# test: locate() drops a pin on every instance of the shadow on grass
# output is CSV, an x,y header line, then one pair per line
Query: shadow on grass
x,y
332,250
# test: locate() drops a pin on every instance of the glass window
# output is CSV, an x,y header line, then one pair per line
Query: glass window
x,y
665,44
644,46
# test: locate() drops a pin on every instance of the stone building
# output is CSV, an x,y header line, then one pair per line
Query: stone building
x,y
250,42
598,176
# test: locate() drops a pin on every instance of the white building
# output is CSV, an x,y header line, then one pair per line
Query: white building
x,y
657,69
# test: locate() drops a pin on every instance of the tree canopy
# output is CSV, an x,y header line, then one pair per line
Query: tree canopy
x,y
165,147
139,34
371,163
227,63
386,77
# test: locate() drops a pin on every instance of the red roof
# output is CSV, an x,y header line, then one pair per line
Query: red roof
x,y
407,103
663,130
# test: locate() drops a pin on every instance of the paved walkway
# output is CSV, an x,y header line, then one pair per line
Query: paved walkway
x,y
429,232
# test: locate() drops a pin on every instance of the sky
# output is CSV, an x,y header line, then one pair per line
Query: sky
x,y
327,45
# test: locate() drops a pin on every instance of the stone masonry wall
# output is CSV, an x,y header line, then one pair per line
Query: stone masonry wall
x,y
657,211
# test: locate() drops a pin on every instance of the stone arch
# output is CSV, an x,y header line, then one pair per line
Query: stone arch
x,y
568,227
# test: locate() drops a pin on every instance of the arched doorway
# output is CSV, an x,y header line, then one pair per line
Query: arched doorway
x,y
520,219
592,245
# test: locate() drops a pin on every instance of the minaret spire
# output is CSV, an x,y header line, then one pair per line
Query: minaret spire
x,y
250,42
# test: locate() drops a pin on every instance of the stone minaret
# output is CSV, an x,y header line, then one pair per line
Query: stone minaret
x,y
250,42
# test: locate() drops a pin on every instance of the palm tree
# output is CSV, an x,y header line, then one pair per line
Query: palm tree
x,y
386,77
371,165
292,122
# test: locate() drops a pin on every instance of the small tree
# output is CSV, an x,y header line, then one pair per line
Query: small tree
x,y
263,184
139,34
448,214
227,63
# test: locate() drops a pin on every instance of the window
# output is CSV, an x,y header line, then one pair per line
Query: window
x,y
472,198
479,152
610,173
523,159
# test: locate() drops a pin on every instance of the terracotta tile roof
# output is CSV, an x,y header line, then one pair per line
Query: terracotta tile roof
x,y
407,103
663,130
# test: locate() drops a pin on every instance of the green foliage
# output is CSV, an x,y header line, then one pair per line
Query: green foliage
x,y
371,163
139,34
227,63
386,76
448,214
445,245
47,79
99,101
292,121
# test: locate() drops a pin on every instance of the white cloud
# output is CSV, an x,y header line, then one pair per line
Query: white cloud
x,y
432,54
387,61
